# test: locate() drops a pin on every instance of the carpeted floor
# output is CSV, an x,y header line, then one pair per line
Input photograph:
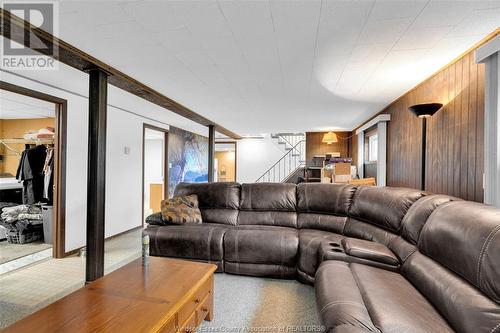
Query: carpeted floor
x,y
262,305
10,251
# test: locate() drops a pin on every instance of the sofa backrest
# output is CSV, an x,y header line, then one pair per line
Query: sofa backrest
x,y
268,204
413,222
377,212
324,206
219,202
457,266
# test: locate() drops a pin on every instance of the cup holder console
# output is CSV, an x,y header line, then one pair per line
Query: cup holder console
x,y
336,247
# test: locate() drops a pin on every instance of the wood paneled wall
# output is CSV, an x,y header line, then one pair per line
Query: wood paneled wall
x,y
314,146
455,139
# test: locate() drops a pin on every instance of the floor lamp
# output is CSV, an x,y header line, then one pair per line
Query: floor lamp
x,y
424,111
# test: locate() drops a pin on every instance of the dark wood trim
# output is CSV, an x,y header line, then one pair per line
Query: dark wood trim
x,y
211,152
235,156
96,182
61,111
80,60
165,165
72,252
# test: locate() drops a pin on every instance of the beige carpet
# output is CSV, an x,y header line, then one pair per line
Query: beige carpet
x,y
28,289
10,251
249,304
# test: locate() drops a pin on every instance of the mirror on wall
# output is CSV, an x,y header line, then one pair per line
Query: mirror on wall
x,y
27,155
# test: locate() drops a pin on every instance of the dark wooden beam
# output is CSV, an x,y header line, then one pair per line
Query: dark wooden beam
x,y
211,152
80,60
96,183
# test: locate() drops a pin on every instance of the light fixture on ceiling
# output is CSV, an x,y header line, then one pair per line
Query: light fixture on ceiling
x,y
329,138
424,111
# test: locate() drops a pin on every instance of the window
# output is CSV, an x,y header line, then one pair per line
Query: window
x,y
372,148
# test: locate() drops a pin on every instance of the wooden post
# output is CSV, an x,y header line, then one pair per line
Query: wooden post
x,y
211,152
96,182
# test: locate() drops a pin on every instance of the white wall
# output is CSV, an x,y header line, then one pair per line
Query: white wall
x,y
256,156
123,172
153,164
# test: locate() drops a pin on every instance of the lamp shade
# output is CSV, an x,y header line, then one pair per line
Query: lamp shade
x,y
425,110
329,138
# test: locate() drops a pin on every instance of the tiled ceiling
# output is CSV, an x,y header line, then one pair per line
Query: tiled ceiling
x,y
268,66
15,106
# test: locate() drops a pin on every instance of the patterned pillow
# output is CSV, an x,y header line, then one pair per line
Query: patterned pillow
x,y
181,210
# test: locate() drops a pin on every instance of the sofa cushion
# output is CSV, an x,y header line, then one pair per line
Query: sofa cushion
x,y
368,231
218,202
369,250
283,219
331,199
155,219
417,215
373,299
268,197
384,207
323,206
261,245
191,241
339,300
325,222
264,270
465,307
268,204
465,237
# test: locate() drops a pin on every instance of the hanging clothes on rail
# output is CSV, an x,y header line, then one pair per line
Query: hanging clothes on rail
x,y
30,172
48,172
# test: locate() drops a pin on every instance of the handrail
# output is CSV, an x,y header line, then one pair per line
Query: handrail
x,y
289,154
291,144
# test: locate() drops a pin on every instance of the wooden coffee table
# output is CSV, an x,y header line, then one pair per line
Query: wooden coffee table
x,y
168,295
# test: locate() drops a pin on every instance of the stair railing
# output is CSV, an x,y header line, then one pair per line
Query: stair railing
x,y
286,165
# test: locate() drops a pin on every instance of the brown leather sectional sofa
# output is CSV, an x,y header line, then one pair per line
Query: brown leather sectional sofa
x,y
381,259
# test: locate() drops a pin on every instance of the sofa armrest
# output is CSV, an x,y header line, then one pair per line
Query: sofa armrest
x,y
369,250
155,219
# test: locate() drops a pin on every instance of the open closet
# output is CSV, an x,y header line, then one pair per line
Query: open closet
x,y
28,174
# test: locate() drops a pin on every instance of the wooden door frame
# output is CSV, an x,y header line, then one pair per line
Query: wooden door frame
x,y
235,155
61,116
165,164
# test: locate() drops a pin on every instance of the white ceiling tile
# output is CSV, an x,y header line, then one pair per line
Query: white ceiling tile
x,y
384,31
386,10
238,62
422,38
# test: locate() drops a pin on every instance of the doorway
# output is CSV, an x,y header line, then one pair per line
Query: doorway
x,y
32,174
154,169
225,161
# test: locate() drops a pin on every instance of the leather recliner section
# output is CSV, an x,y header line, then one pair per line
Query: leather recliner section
x,y
268,204
383,207
406,243
465,238
202,242
261,251
323,206
373,299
